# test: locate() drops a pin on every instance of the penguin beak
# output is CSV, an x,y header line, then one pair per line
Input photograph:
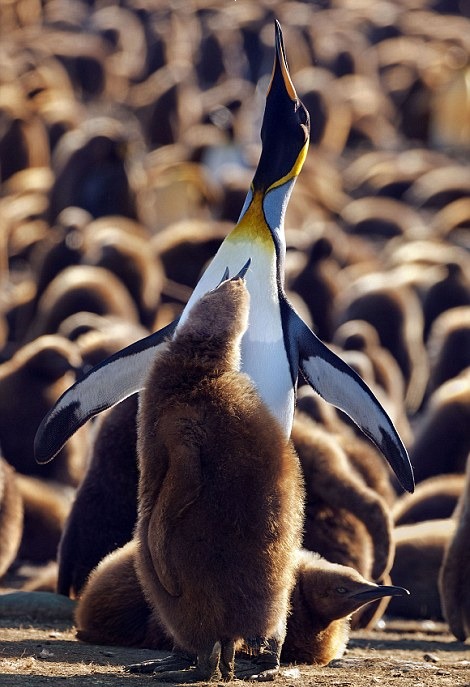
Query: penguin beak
x,y
280,78
378,591
244,270
240,275
286,127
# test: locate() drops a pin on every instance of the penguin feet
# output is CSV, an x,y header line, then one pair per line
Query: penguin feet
x,y
181,667
177,661
265,666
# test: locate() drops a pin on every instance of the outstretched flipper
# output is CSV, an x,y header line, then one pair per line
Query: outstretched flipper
x,y
110,382
341,386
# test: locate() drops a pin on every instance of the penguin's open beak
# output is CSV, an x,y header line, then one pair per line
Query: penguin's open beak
x,y
286,127
378,591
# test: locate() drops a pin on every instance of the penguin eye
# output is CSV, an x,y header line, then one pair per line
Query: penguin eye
x,y
341,590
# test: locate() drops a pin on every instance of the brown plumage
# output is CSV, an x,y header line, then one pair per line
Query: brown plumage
x,y
46,507
113,610
434,498
394,310
107,495
213,460
442,435
346,521
185,247
323,599
30,382
90,164
128,257
359,335
455,571
449,346
11,516
81,288
367,461
419,550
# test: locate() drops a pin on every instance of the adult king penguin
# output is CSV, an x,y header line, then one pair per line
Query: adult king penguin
x,y
277,343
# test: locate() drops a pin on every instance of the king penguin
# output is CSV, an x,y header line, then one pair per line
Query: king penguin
x,y
277,344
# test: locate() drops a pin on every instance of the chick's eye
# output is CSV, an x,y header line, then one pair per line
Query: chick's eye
x,y
341,590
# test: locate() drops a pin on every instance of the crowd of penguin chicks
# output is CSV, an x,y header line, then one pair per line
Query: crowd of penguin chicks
x,y
125,157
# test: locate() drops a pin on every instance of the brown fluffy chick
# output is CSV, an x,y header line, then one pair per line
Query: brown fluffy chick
x,y
113,610
30,382
107,494
434,498
419,551
220,495
346,521
11,516
442,436
455,571
323,599
46,507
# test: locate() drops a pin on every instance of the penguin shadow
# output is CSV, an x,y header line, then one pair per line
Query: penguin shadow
x,y
414,645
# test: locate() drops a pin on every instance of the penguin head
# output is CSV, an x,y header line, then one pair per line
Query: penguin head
x,y
221,314
285,130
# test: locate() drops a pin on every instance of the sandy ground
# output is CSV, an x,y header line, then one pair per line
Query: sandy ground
x,y
400,653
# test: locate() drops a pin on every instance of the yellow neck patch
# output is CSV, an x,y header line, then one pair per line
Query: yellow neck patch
x,y
252,226
295,171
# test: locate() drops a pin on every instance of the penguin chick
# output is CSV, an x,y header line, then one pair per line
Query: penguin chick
x,y
112,608
127,256
346,521
368,463
442,437
213,460
111,502
30,382
317,284
449,346
395,312
185,247
81,288
11,516
323,599
455,570
46,507
433,499
360,335
419,551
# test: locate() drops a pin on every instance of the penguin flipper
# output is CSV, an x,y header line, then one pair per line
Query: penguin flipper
x,y
105,385
341,386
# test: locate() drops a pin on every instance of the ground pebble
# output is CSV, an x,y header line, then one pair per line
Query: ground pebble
x,y
431,658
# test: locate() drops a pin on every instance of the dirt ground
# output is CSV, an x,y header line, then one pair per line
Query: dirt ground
x,y
399,654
